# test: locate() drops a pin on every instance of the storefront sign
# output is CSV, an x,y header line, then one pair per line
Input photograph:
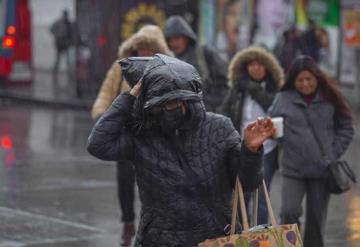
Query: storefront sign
x,y
351,27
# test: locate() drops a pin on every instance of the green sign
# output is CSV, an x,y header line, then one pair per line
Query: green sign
x,y
324,12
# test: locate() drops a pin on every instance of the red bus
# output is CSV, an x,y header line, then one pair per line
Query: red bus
x,y
15,35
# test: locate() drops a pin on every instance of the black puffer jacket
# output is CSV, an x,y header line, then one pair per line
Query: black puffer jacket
x,y
185,179
211,66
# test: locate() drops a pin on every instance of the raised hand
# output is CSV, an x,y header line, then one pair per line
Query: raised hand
x,y
135,91
257,132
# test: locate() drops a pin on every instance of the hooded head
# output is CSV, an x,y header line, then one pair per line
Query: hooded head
x,y
177,28
164,80
327,86
238,65
148,37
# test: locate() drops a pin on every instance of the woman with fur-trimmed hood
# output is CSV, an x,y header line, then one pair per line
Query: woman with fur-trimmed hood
x,y
146,42
255,77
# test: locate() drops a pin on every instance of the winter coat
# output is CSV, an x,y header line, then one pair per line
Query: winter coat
x,y
310,44
211,66
302,157
287,49
63,32
149,37
241,85
185,179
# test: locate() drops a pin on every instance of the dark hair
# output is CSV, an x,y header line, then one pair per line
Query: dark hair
x,y
327,86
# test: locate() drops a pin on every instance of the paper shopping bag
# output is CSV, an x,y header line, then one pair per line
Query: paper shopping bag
x,y
260,236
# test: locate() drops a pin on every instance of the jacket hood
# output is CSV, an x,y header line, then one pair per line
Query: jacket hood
x,y
148,37
133,68
126,49
241,58
177,26
164,79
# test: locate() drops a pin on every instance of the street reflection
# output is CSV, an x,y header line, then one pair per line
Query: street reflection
x,y
58,131
7,146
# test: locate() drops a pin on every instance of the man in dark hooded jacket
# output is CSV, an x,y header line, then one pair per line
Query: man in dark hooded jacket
x,y
63,32
212,68
186,159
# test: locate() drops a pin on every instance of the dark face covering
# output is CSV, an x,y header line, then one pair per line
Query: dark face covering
x,y
171,120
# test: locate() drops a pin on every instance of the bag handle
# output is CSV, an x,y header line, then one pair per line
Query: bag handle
x,y
255,207
239,195
268,204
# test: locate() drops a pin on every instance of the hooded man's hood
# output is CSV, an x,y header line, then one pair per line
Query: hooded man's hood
x,y
148,37
177,26
237,67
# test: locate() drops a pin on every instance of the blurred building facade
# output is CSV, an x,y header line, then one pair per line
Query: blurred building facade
x,y
227,25
112,22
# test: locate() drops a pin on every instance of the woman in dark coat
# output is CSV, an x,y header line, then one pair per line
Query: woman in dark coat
x,y
255,77
185,159
308,90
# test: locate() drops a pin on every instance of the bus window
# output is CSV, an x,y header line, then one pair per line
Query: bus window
x,y
2,17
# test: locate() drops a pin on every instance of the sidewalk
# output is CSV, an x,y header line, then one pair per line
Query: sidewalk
x,y
53,193
45,90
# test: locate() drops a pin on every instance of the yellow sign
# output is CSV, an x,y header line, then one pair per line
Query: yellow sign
x,y
137,17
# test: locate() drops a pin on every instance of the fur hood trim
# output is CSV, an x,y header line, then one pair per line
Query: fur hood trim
x,y
241,58
148,37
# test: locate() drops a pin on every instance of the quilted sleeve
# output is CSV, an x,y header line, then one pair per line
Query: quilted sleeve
x,y
110,139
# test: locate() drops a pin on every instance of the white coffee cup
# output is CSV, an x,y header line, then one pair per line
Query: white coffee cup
x,y
279,125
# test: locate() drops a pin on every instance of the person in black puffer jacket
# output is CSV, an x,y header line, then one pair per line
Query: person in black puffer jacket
x,y
186,159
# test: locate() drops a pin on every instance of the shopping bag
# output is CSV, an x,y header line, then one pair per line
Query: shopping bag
x,y
230,240
273,235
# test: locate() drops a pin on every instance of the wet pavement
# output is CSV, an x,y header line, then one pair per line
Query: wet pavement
x,y
42,87
52,193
